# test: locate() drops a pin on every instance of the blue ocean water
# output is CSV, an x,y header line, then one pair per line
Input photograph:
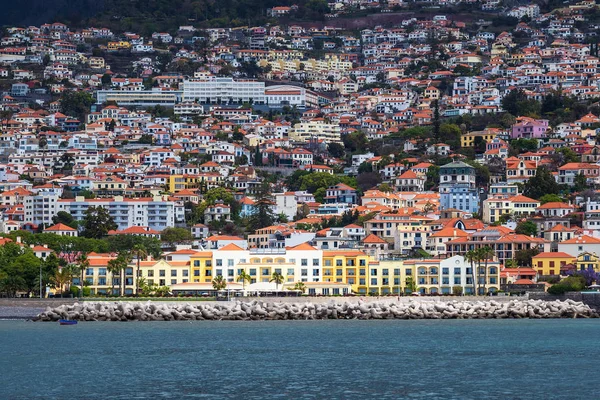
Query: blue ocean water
x,y
440,359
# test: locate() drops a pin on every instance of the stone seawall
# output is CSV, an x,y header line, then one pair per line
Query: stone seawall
x,y
263,310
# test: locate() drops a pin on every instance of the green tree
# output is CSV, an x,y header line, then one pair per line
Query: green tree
x,y
526,228
277,278
76,104
517,103
63,217
140,252
106,80
244,277
523,257
60,279
518,146
173,236
114,268
300,286
411,285
355,142
83,263
97,222
263,208
432,177
471,256
450,134
541,184
336,150
219,283
550,198
486,253
580,183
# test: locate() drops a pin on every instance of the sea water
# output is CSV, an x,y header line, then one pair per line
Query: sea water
x,y
389,359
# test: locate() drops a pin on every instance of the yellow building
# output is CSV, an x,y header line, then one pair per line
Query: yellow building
x,y
205,181
350,266
468,139
587,261
495,207
201,267
96,63
316,129
122,45
549,263
164,273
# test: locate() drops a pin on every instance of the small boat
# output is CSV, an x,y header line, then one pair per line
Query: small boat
x,y
67,322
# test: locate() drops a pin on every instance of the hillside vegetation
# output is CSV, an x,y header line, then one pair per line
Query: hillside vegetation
x,y
147,16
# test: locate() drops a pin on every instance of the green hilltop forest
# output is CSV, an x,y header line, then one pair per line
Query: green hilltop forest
x,y
147,16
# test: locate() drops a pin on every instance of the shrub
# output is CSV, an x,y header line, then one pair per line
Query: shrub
x,y
570,284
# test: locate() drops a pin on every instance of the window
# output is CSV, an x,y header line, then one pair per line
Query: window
x,y
445,271
208,272
361,281
315,272
373,271
362,272
408,272
457,281
396,271
230,272
290,271
456,271
196,272
252,271
304,272
304,262
219,272
196,263
339,272
328,263
385,272
219,263
161,272
373,281
362,263
315,262
230,262
265,271
338,263
173,273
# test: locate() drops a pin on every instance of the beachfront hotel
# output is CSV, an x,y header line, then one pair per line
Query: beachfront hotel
x,y
344,272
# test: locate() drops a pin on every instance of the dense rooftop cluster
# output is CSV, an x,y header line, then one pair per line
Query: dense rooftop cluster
x,y
334,159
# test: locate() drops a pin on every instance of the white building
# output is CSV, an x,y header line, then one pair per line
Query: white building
x,y
285,203
223,90
156,213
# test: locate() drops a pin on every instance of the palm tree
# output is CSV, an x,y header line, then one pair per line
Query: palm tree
x,y
219,283
471,256
60,279
300,286
83,264
479,254
124,260
277,278
140,252
486,252
244,277
113,268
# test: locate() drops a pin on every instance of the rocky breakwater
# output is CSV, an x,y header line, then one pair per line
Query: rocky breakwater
x,y
265,310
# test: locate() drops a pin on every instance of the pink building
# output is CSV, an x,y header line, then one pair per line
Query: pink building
x,y
529,128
